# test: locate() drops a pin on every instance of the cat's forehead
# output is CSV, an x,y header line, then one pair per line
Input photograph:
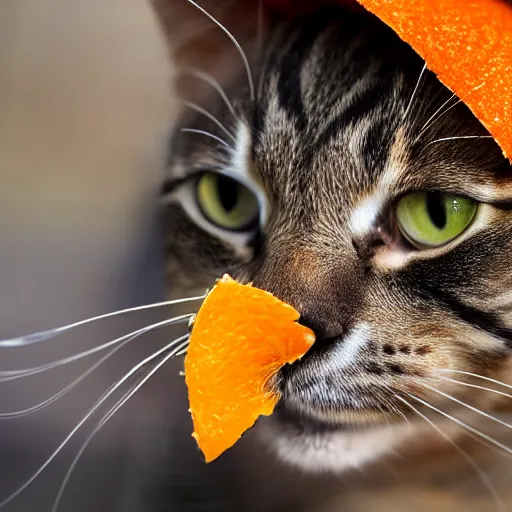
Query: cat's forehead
x,y
341,111
344,111
329,122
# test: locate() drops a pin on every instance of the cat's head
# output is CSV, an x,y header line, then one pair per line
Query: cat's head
x,y
356,187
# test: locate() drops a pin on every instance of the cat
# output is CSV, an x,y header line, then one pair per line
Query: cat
x,y
338,173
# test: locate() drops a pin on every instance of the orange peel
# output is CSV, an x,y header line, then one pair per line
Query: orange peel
x,y
240,338
468,45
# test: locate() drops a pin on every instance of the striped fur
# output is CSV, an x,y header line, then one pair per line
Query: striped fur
x,y
333,138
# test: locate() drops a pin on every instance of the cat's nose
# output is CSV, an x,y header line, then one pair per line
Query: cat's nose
x,y
327,296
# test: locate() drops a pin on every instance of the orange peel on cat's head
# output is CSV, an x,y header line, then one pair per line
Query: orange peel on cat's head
x,y
241,337
468,45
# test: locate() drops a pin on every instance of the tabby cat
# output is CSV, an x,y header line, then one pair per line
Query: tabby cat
x,y
339,174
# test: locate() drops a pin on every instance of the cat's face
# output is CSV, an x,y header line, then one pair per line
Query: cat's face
x,y
341,189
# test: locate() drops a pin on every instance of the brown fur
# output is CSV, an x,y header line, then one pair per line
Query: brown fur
x,y
440,309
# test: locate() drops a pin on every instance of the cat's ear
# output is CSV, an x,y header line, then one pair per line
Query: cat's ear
x,y
195,41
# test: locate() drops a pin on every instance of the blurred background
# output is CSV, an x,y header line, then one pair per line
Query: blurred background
x,y
86,104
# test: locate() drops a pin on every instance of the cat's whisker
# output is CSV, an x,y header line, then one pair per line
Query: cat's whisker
x,y
88,440
86,443
437,111
72,385
459,138
183,351
386,399
428,123
468,406
485,443
175,352
37,337
482,475
206,77
91,411
464,425
235,42
433,119
61,393
415,90
9,375
470,434
406,419
475,386
477,376
210,116
206,134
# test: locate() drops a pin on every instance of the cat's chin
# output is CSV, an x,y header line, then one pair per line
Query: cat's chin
x,y
332,448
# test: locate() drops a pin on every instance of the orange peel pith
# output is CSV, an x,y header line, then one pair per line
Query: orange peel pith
x,y
241,337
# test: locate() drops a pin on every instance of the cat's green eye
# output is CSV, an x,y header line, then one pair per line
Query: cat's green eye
x,y
226,202
432,219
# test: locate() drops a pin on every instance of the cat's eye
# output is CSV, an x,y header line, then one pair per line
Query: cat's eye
x,y
225,202
432,219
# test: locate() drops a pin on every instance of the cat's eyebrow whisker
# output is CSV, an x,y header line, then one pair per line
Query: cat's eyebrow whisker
x,y
477,376
433,119
94,408
425,127
475,386
8,375
175,352
210,116
235,42
482,475
459,138
415,90
206,77
468,406
37,337
207,134
464,425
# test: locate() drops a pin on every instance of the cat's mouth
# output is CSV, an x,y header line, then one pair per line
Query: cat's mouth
x,y
308,422
327,419
316,442
314,403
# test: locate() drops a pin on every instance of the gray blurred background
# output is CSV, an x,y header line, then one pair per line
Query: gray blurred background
x,y
84,103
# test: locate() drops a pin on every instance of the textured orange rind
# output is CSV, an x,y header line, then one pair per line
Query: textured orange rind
x,y
241,337
468,45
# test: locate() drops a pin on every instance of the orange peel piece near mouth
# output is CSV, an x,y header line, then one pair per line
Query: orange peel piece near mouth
x,y
241,337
